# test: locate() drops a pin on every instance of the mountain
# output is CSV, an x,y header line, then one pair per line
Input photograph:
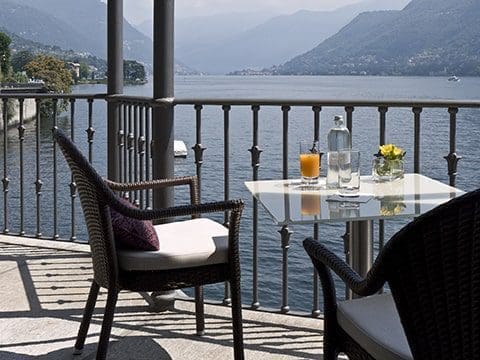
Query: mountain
x,y
39,26
426,37
146,28
219,45
79,25
21,44
200,30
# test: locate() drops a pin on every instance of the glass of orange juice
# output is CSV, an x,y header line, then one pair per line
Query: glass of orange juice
x,y
310,203
309,162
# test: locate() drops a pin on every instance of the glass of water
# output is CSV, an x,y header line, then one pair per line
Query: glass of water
x,y
349,172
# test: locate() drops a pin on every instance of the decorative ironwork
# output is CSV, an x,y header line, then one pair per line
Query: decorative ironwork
x,y
452,158
90,130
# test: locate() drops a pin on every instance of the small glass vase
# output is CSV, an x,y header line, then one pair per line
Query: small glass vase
x,y
387,170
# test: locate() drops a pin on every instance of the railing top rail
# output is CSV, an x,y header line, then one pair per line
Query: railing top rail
x,y
437,103
405,103
140,100
51,96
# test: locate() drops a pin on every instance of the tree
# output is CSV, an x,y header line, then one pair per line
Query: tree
x,y
52,71
20,59
55,75
4,53
84,71
133,71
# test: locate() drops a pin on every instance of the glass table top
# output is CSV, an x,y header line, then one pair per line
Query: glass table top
x,y
289,203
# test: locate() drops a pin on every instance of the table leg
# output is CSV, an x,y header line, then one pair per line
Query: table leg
x,y
360,248
285,233
315,305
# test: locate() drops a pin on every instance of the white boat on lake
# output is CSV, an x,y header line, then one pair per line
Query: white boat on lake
x,y
453,78
179,149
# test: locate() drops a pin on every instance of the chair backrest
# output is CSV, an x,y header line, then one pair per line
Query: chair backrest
x,y
433,269
91,190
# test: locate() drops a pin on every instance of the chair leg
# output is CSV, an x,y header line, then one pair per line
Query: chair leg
x,y
87,317
107,324
237,318
199,311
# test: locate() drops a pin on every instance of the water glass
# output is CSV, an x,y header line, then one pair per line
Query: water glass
x,y
349,172
309,162
332,170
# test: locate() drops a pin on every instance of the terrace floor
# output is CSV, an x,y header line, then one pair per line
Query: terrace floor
x,y
43,289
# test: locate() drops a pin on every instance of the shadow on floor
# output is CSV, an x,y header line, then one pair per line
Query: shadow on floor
x,y
56,285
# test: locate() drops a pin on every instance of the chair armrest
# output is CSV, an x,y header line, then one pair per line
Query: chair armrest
x,y
192,181
361,286
184,210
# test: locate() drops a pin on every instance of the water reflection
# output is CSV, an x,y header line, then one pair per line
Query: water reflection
x,y
392,205
343,209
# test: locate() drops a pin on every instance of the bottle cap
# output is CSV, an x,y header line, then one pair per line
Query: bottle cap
x,y
338,119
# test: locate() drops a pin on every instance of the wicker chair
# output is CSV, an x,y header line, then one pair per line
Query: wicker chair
x,y
117,270
432,267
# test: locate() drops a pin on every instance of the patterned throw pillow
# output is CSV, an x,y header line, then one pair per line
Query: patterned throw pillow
x,y
131,233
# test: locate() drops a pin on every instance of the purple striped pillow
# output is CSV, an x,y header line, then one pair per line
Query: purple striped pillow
x,y
131,233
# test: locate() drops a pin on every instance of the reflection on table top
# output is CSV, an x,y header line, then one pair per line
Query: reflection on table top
x,y
289,203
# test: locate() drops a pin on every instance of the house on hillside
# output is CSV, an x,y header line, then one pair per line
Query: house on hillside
x,y
74,68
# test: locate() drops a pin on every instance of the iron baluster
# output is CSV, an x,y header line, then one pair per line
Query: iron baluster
x,y
90,130
21,139
38,181
120,142
452,158
130,146
148,126
226,177
198,148
285,235
55,177
5,180
316,137
141,151
135,150
416,140
349,111
285,232
285,110
383,125
72,185
125,147
255,152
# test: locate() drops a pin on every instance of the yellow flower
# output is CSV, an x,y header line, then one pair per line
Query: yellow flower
x,y
391,152
397,151
386,149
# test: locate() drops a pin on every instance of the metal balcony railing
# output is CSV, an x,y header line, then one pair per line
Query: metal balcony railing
x,y
27,204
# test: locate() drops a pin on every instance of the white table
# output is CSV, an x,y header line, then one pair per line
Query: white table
x,y
289,204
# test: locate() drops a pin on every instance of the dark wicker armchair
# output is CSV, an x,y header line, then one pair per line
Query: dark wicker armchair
x,y
432,267
117,270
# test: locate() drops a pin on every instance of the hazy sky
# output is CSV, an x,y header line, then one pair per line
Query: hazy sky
x,y
138,10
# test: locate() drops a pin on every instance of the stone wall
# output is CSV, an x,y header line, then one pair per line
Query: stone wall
x,y
29,113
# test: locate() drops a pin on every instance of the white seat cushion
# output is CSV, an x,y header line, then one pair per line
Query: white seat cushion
x,y
183,244
373,322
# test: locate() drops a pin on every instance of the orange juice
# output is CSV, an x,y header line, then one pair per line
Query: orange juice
x,y
310,165
310,204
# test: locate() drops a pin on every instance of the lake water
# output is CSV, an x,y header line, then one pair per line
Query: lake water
x,y
434,146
